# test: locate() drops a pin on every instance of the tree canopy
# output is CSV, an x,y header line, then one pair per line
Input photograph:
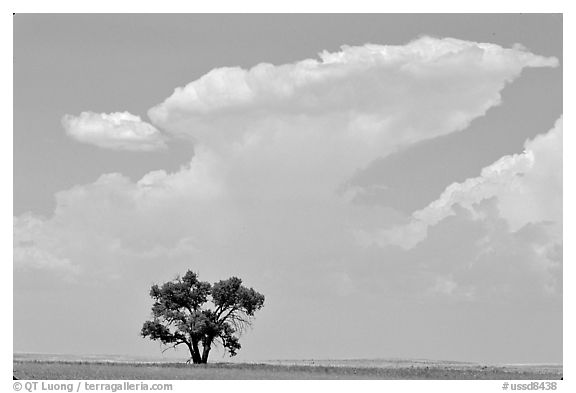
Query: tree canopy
x,y
181,314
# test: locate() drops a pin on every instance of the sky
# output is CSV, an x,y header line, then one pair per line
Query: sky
x,y
391,183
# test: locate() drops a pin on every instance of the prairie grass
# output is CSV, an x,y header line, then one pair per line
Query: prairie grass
x,y
99,370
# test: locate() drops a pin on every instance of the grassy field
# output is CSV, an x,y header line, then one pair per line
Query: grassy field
x,y
58,369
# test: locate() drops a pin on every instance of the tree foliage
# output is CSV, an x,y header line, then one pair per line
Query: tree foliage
x,y
181,314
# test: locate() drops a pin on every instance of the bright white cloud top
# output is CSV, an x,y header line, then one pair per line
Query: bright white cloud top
x,y
365,85
118,131
362,101
318,121
274,147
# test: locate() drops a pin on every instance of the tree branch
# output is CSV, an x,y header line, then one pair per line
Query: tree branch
x,y
174,346
233,309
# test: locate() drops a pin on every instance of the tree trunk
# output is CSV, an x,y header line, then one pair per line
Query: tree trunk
x,y
205,353
195,352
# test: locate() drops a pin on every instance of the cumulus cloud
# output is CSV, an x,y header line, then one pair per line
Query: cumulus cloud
x,y
526,186
34,250
319,121
372,97
118,131
273,147
477,256
365,80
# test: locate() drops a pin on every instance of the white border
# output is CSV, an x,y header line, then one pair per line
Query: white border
x,y
259,6
293,6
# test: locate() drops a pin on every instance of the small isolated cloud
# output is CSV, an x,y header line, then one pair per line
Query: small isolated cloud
x,y
527,188
117,131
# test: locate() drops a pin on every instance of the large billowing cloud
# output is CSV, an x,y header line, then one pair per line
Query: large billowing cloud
x,y
263,195
118,131
527,188
319,121
498,235
386,94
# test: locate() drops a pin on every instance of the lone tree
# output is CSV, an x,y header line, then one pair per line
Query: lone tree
x,y
180,315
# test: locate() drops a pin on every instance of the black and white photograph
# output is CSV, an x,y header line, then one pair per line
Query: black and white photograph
x,y
287,196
